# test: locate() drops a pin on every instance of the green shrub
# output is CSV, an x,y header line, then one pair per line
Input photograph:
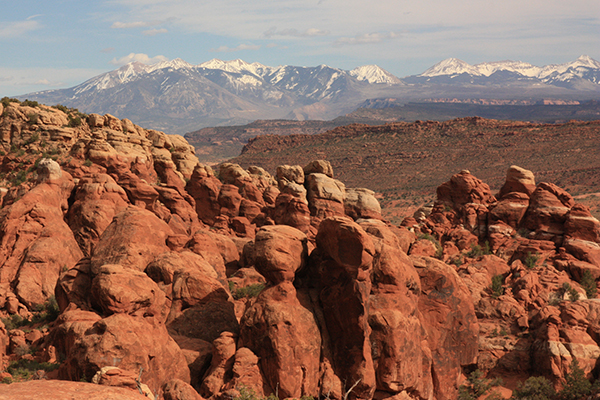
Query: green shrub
x,y
476,386
531,260
576,386
570,291
88,162
439,251
588,283
61,108
496,288
247,393
30,103
535,388
33,118
246,292
23,369
74,121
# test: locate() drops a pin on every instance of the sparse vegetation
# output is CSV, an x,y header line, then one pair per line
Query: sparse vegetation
x,y
476,386
531,260
88,162
42,314
74,121
588,283
247,393
576,386
534,388
24,369
245,292
497,288
570,291
439,250
30,103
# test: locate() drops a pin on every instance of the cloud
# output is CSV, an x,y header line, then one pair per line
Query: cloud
x,y
107,50
296,33
153,32
226,49
18,28
366,38
139,57
134,24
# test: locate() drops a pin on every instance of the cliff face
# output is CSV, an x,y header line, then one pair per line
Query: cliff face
x,y
179,283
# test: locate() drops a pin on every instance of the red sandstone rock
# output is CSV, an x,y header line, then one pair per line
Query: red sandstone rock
x,y
176,389
222,362
517,180
115,289
283,333
132,240
449,320
279,251
60,390
205,188
97,200
292,211
127,341
36,243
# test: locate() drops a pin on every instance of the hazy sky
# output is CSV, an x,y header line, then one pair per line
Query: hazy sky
x,y
61,43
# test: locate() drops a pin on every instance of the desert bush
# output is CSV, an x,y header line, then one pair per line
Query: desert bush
x,y
588,283
30,103
61,108
496,288
570,291
245,292
74,121
535,388
33,118
476,386
576,386
438,247
247,393
23,369
531,260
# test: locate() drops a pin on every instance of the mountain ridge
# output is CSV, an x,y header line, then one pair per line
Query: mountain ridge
x,y
178,97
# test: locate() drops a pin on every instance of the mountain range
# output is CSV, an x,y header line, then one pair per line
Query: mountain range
x,y
178,97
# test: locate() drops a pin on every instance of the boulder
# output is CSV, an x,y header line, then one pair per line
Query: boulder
x,y
279,251
361,203
517,180
133,239
319,167
125,341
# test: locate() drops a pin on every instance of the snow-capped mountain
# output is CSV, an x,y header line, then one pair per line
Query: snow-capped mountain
x,y
178,97
584,67
374,74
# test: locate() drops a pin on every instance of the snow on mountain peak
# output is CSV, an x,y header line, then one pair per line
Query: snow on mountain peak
x,y
177,63
451,66
235,66
373,74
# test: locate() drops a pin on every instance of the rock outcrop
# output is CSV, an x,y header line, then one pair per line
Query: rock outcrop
x,y
138,268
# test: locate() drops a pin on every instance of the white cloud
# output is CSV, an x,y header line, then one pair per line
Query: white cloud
x,y
139,57
153,32
296,33
366,38
107,50
226,49
134,24
18,28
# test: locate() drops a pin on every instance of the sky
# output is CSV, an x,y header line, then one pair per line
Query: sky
x,y
60,43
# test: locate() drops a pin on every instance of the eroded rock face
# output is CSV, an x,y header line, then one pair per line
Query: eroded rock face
x,y
150,271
